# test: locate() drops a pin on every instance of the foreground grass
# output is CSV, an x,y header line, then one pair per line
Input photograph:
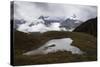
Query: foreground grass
x,y
58,57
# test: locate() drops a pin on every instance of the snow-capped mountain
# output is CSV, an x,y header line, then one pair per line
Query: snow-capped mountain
x,y
18,22
70,23
48,19
39,26
44,24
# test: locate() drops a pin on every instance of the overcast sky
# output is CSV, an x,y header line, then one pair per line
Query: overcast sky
x,y
32,10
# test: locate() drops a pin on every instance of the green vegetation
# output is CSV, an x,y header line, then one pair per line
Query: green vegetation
x,y
24,42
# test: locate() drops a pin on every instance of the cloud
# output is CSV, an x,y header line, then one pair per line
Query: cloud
x,y
32,10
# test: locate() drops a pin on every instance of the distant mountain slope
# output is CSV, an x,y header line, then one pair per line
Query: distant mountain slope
x,y
89,27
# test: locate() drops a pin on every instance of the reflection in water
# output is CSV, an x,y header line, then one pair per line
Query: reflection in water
x,y
63,44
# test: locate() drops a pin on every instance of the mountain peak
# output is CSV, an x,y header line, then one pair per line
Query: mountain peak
x,y
49,23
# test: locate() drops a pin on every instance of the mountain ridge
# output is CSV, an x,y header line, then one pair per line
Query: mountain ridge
x,y
89,27
45,24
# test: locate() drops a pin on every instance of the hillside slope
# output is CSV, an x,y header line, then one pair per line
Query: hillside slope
x,y
89,27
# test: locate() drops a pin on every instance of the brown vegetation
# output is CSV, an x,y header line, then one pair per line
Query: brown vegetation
x,y
24,42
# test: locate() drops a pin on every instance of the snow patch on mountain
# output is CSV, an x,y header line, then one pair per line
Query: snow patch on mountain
x,y
39,26
48,23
